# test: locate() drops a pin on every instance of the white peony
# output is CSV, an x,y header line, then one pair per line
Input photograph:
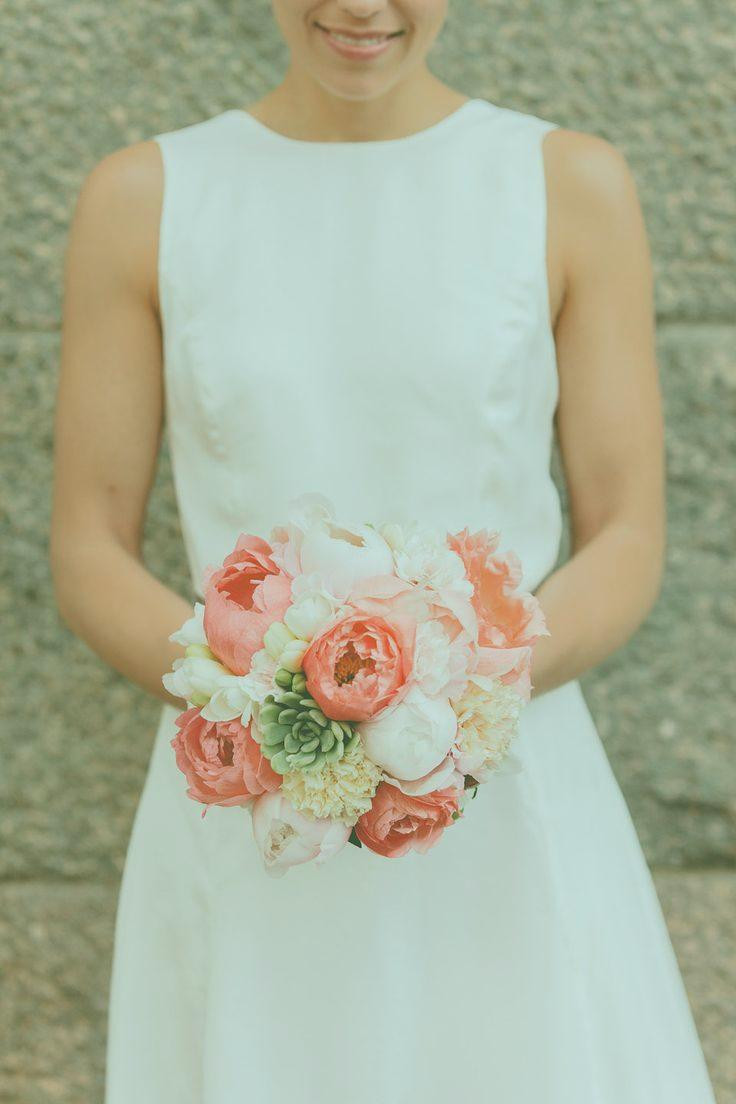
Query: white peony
x,y
488,720
412,738
314,542
344,555
306,510
310,508
286,837
421,556
443,776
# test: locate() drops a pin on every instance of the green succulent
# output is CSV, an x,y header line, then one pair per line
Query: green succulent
x,y
295,734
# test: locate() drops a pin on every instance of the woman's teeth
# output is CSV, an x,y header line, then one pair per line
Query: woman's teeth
x,y
358,41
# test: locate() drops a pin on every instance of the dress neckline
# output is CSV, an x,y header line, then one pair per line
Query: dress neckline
x,y
447,123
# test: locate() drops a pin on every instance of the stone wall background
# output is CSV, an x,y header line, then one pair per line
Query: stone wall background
x,y
85,77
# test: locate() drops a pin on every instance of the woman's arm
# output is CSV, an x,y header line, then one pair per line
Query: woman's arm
x,y
609,418
108,422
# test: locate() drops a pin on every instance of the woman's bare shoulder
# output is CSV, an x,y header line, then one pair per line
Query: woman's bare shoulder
x,y
588,168
119,203
593,202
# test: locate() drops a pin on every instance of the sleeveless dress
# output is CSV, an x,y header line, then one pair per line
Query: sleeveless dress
x,y
370,320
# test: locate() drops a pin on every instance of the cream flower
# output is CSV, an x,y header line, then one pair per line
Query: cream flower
x,y
196,675
440,665
313,606
488,720
422,557
192,631
203,682
342,790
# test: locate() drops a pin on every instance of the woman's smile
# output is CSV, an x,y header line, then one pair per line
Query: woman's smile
x,y
358,45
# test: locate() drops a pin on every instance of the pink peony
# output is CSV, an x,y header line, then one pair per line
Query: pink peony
x,y
242,598
359,665
284,836
397,822
222,762
388,596
512,666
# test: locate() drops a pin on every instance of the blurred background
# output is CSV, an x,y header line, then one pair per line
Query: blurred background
x,y
80,79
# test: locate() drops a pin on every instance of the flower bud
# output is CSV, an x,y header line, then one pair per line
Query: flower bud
x,y
292,655
276,637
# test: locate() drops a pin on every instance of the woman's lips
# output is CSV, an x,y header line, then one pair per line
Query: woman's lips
x,y
356,50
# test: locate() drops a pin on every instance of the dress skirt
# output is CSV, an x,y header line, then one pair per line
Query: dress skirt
x,y
523,960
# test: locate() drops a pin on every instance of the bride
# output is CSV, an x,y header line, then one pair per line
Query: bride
x,y
371,285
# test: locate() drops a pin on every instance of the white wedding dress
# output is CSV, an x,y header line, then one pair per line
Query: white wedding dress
x,y
370,320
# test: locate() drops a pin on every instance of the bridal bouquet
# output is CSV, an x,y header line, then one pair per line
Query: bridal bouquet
x,y
352,683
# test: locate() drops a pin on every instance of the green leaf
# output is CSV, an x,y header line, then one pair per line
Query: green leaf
x,y
354,839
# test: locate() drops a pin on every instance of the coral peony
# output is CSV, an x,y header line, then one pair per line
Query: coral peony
x,y
398,822
222,762
505,619
507,622
242,598
360,665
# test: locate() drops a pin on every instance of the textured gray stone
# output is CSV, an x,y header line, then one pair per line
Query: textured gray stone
x,y
55,943
700,910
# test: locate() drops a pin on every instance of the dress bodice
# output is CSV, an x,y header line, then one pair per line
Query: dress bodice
x,y
369,320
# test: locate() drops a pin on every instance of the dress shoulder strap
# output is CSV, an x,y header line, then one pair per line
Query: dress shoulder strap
x,y
194,157
538,129
517,169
